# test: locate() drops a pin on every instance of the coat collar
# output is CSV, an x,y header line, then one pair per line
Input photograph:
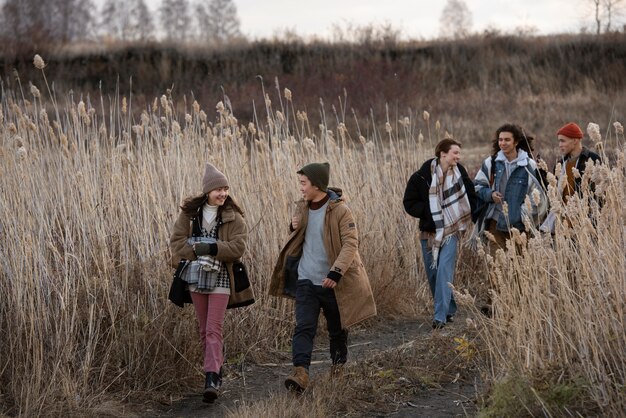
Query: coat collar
x,y
520,161
585,152
336,197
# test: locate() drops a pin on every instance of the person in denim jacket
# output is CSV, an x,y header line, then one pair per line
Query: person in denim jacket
x,y
503,188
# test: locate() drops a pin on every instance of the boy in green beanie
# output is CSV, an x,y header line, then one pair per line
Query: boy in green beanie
x,y
321,267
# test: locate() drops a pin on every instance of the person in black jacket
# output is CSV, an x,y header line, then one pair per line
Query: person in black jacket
x,y
573,156
442,196
573,160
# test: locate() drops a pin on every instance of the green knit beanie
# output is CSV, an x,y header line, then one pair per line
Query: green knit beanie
x,y
317,173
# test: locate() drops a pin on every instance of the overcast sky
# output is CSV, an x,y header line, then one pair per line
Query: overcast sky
x,y
415,18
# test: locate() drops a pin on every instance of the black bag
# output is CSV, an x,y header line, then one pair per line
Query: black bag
x,y
240,277
179,295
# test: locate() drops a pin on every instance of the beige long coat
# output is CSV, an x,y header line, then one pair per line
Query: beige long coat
x,y
353,292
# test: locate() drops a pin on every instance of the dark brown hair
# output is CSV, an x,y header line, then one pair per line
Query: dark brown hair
x,y
522,141
192,204
444,146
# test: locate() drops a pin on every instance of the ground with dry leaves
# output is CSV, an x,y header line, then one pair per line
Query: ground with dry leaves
x,y
396,368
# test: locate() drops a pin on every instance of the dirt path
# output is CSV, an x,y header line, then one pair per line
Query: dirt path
x,y
250,382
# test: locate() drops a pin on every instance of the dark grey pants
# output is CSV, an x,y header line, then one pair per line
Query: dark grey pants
x,y
309,300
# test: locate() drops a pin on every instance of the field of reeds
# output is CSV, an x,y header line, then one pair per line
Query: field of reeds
x,y
91,187
556,342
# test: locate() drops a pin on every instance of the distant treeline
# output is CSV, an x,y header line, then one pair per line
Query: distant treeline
x,y
464,77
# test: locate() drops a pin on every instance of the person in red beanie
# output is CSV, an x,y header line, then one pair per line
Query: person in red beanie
x,y
573,155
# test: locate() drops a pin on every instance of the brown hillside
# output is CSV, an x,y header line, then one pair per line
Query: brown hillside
x,y
472,85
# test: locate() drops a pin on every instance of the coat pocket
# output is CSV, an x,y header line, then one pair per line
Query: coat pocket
x,y
240,277
291,275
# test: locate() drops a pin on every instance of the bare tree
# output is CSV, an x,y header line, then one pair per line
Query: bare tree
x,y
112,18
34,22
175,19
145,23
455,20
613,10
597,13
127,20
349,32
21,20
71,20
218,22
606,13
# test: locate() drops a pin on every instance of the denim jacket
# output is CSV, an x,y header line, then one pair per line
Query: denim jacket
x,y
514,192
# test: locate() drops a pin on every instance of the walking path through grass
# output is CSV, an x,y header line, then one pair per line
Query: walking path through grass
x,y
397,368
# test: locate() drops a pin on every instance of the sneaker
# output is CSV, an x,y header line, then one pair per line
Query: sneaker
x,y
299,380
449,318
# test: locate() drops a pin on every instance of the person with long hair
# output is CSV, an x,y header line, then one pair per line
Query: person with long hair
x,y
441,194
207,243
505,179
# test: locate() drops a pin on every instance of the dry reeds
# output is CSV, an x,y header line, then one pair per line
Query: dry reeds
x,y
86,212
559,310
88,201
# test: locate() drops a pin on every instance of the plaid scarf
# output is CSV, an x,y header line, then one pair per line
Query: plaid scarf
x,y
206,273
449,205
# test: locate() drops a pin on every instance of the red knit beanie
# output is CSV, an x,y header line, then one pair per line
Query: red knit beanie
x,y
571,130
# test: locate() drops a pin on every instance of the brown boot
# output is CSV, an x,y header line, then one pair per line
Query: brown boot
x,y
298,381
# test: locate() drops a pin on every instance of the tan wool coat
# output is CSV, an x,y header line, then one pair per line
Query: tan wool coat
x,y
353,291
231,246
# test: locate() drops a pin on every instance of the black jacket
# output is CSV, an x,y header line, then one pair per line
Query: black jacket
x,y
416,201
585,156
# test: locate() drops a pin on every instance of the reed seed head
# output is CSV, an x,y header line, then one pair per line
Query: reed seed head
x,y
39,62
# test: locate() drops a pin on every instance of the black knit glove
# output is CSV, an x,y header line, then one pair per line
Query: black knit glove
x,y
204,248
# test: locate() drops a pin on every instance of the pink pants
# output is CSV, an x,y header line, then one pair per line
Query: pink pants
x,y
210,310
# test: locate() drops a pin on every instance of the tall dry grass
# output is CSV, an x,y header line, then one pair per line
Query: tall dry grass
x,y
87,204
89,196
556,343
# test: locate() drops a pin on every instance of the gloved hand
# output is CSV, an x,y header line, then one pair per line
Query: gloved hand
x,y
204,248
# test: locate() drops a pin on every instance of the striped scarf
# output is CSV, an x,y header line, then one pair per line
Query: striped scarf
x,y
449,205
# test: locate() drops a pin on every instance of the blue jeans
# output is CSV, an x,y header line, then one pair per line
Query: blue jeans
x,y
310,299
439,277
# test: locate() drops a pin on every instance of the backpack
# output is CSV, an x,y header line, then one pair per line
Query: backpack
x,y
481,207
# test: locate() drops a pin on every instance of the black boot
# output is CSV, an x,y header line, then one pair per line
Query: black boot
x,y
211,387
339,348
